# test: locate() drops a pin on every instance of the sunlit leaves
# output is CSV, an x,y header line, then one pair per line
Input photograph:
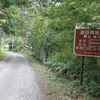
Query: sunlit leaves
x,y
19,41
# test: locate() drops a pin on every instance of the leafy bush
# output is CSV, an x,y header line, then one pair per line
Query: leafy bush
x,y
19,41
91,81
17,49
92,88
65,65
28,52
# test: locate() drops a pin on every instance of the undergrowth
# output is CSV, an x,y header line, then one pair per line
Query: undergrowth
x,y
61,88
2,54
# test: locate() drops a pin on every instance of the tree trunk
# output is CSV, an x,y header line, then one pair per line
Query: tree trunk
x,y
44,51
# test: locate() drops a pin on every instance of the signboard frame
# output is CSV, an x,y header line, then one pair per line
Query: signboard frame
x,y
89,39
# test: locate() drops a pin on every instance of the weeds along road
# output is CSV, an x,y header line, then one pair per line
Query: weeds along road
x,y
17,79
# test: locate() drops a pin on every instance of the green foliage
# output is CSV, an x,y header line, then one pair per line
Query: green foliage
x,y
19,42
8,3
27,52
59,30
56,23
12,15
64,63
1,5
93,88
2,54
92,76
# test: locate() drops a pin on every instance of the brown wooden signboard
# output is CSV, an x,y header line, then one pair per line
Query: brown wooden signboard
x,y
87,42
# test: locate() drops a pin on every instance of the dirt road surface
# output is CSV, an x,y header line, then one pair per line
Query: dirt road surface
x,y
17,79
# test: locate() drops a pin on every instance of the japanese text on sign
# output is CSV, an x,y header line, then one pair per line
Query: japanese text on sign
x,y
87,42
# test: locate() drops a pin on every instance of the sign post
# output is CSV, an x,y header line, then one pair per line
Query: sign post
x,y
81,72
86,43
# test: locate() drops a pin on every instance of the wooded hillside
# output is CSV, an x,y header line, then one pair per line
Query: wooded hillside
x,y
48,29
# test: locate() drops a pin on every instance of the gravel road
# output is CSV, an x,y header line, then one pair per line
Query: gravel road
x,y
17,79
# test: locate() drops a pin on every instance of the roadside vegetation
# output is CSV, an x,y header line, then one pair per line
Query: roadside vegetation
x,y
56,88
2,55
47,30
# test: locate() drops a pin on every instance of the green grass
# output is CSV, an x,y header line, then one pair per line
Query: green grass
x,y
58,88
2,54
4,47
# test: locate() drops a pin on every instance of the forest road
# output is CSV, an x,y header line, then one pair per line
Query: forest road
x,y
17,79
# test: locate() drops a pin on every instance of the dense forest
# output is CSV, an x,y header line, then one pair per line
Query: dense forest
x,y
46,28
